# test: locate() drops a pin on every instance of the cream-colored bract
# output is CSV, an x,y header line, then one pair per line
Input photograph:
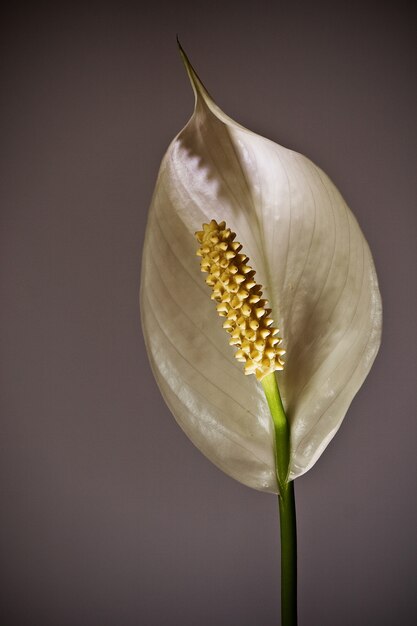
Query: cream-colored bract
x,y
318,276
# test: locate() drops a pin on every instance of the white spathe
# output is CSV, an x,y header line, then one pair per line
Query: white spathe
x,y
316,270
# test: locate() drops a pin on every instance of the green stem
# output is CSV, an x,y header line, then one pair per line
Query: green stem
x,y
288,555
286,503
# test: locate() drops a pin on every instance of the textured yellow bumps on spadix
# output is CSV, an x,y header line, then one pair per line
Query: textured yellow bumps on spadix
x,y
239,300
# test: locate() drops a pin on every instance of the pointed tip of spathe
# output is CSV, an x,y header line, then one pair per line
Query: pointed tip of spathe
x,y
184,58
199,90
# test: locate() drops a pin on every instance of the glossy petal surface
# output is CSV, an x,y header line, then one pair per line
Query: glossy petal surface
x,y
317,272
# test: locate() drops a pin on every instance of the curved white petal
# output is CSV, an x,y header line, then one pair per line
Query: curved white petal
x,y
317,271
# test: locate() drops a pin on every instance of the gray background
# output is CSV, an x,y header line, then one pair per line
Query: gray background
x,y
109,515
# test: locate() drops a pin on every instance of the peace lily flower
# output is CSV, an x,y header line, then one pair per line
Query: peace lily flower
x,y
316,272
281,250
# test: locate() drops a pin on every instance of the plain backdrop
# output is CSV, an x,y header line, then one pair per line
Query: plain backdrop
x,y
109,515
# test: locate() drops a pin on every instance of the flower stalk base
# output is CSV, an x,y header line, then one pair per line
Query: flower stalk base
x,y
286,502
288,536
